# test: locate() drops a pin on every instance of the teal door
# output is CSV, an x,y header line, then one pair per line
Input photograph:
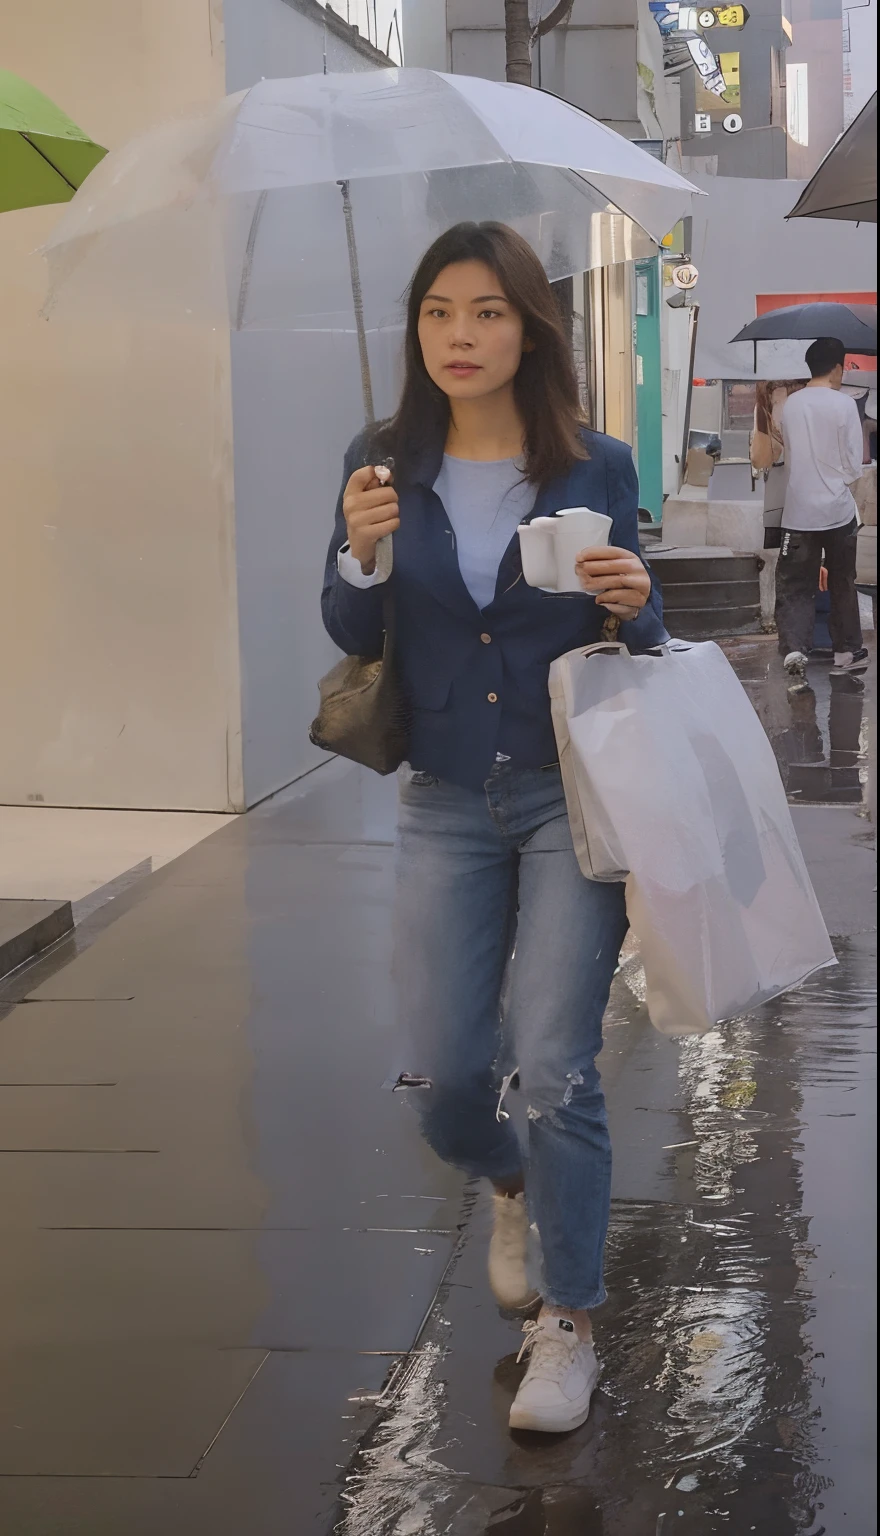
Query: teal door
x,y
649,399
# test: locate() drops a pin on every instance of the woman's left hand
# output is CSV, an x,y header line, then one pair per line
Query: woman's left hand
x,y
616,578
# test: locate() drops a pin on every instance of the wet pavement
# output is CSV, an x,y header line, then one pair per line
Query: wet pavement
x,y
735,1379
819,732
239,1295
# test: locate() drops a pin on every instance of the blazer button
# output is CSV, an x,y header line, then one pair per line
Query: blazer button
x,y
486,639
492,697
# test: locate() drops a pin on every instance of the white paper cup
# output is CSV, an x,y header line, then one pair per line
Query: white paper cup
x,y
577,528
537,546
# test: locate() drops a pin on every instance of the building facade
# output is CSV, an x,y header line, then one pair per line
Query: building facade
x,y
168,490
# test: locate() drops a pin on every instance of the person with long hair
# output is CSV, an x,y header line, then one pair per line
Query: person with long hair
x,y
766,451
504,952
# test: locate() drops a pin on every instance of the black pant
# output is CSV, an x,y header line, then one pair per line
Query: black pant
x,y
797,582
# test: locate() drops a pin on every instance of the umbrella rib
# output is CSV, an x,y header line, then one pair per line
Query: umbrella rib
x,y
247,267
36,148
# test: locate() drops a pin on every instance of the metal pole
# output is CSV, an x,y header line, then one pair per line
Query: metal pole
x,y
358,301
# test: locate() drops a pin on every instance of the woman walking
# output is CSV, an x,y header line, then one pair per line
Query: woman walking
x,y
489,896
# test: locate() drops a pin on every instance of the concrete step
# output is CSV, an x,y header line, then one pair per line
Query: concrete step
x,y
710,594
710,623
704,564
27,927
709,591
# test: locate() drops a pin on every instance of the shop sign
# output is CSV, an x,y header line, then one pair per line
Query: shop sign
x,y
685,276
671,17
723,16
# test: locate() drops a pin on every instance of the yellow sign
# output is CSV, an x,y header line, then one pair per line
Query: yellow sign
x,y
730,15
730,70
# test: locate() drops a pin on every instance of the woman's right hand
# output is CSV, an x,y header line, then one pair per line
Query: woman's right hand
x,y
370,511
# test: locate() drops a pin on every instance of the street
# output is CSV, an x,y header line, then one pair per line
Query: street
x,y
239,1294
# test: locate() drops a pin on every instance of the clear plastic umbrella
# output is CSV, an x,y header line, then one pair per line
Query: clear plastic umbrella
x,y
305,203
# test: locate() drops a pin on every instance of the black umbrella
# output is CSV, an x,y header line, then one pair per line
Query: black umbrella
x,y
845,185
853,324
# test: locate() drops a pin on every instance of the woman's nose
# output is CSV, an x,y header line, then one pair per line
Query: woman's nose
x,y
461,335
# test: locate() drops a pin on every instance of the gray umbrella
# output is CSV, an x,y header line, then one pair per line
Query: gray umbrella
x,y
853,324
845,185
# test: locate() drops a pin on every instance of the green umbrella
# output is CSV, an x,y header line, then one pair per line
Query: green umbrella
x,y
43,155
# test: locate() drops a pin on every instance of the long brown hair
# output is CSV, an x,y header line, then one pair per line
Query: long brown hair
x,y
545,387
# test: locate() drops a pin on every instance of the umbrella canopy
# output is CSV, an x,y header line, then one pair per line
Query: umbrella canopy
x,y
845,185
240,203
853,324
44,157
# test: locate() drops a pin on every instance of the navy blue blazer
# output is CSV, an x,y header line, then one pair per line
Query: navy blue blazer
x,y
477,679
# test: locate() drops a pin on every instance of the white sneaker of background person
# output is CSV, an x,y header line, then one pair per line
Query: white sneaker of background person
x,y
558,1386
509,1253
850,661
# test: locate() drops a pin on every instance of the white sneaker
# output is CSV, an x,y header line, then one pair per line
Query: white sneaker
x,y
850,661
555,1392
795,664
509,1253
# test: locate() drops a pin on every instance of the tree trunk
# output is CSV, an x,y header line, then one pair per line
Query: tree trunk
x,y
518,36
560,12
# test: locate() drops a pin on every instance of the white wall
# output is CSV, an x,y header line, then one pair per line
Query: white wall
x,y
591,61
676,337
272,38
743,246
425,44
127,680
862,57
595,68
474,52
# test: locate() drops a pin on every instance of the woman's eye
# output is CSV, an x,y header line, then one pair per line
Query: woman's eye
x,y
489,314
436,314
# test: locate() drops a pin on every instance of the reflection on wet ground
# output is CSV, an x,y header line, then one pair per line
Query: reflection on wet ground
x,y
710,1416
819,733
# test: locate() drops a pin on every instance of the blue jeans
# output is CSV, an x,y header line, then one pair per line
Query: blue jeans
x,y
504,955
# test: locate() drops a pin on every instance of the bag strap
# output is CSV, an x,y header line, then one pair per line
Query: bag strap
x,y
385,564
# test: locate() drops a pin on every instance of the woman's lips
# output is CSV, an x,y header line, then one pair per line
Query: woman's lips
x,y
463,369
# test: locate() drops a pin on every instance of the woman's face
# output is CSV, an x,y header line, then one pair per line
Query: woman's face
x,y
471,337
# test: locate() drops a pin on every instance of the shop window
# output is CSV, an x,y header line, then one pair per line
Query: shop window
x,y
738,405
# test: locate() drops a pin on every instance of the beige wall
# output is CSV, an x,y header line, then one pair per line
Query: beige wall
x,y
620,417
118,628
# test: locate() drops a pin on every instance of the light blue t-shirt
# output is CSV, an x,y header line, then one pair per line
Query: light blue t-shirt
x,y
485,503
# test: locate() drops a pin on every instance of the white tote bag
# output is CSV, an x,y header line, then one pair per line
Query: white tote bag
x,y
672,786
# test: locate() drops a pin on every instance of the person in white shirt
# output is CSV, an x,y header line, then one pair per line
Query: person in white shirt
x,y
823,445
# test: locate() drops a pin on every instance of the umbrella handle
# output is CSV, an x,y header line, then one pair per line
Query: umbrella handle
x,y
358,300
